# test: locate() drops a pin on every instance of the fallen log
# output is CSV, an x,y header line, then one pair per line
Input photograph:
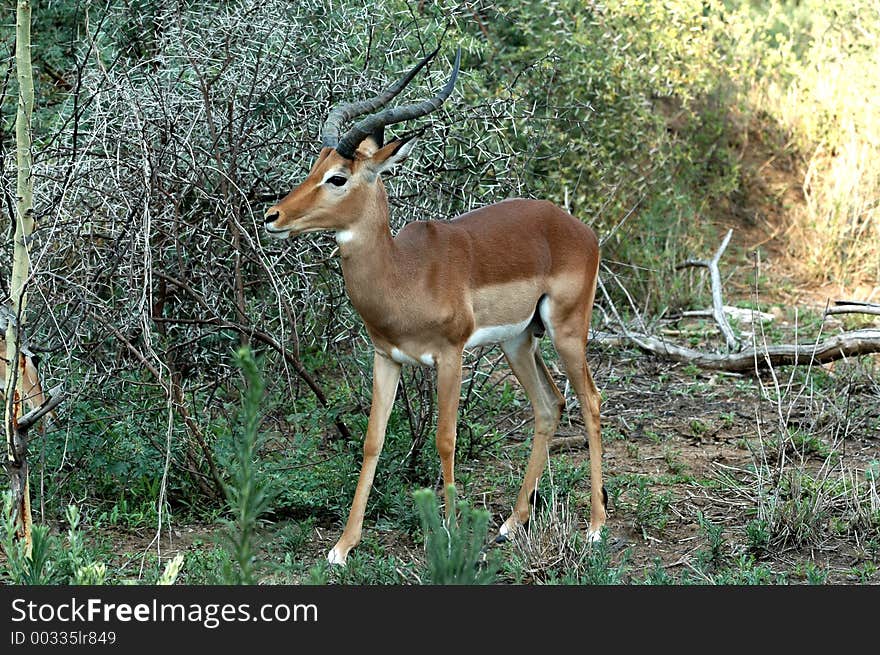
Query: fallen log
x,y
840,346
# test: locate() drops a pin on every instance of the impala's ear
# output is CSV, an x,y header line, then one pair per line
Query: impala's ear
x,y
367,148
371,143
394,153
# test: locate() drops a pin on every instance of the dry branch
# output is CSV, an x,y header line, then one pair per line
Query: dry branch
x,y
717,300
566,443
755,358
841,346
252,332
853,307
55,398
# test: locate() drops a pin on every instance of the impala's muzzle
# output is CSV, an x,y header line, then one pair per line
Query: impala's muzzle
x,y
271,218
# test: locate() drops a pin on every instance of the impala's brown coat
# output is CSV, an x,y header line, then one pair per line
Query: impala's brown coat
x,y
425,292
30,382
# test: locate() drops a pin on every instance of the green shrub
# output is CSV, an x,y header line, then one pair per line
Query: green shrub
x,y
454,548
247,493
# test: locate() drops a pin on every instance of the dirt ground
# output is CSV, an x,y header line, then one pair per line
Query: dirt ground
x,y
672,431
681,431
685,434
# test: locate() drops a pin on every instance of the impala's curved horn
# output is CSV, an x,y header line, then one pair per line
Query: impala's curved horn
x,y
369,125
349,110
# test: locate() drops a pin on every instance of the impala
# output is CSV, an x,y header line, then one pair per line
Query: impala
x,y
33,390
503,274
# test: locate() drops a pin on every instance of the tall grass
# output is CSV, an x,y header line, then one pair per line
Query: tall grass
x,y
813,69
802,492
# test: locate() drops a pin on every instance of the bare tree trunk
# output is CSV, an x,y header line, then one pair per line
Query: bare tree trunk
x,y
16,440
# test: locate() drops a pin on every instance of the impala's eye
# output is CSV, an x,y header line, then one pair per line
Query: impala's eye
x,y
337,180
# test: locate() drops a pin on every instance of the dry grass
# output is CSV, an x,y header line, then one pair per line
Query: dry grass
x,y
818,82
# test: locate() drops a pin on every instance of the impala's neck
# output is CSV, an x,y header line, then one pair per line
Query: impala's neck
x,y
370,229
367,252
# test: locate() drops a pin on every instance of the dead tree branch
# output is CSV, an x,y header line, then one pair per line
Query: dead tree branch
x,y
756,357
853,307
717,301
841,346
56,397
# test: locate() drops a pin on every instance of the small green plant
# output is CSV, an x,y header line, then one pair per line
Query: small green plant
x,y
56,560
204,565
247,494
597,566
810,444
318,575
675,467
745,571
567,477
36,567
370,568
698,427
454,548
758,536
50,561
715,540
172,570
293,536
76,563
658,574
654,437
93,573
865,572
650,510
815,574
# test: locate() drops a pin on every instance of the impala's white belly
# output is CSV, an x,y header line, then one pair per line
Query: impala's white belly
x,y
401,357
491,334
484,336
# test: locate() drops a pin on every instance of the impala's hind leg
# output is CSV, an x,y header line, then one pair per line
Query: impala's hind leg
x,y
571,344
525,361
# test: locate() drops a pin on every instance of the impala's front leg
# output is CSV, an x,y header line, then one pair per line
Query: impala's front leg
x,y
448,392
386,374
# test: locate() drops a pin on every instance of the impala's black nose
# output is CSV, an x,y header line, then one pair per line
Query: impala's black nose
x,y
271,218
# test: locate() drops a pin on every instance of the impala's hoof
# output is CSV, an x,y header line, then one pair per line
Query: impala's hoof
x,y
336,556
482,560
505,532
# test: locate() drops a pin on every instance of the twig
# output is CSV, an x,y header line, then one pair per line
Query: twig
x,y
733,344
255,333
565,443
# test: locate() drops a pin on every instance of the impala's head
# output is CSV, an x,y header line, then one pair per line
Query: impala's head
x,y
346,176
